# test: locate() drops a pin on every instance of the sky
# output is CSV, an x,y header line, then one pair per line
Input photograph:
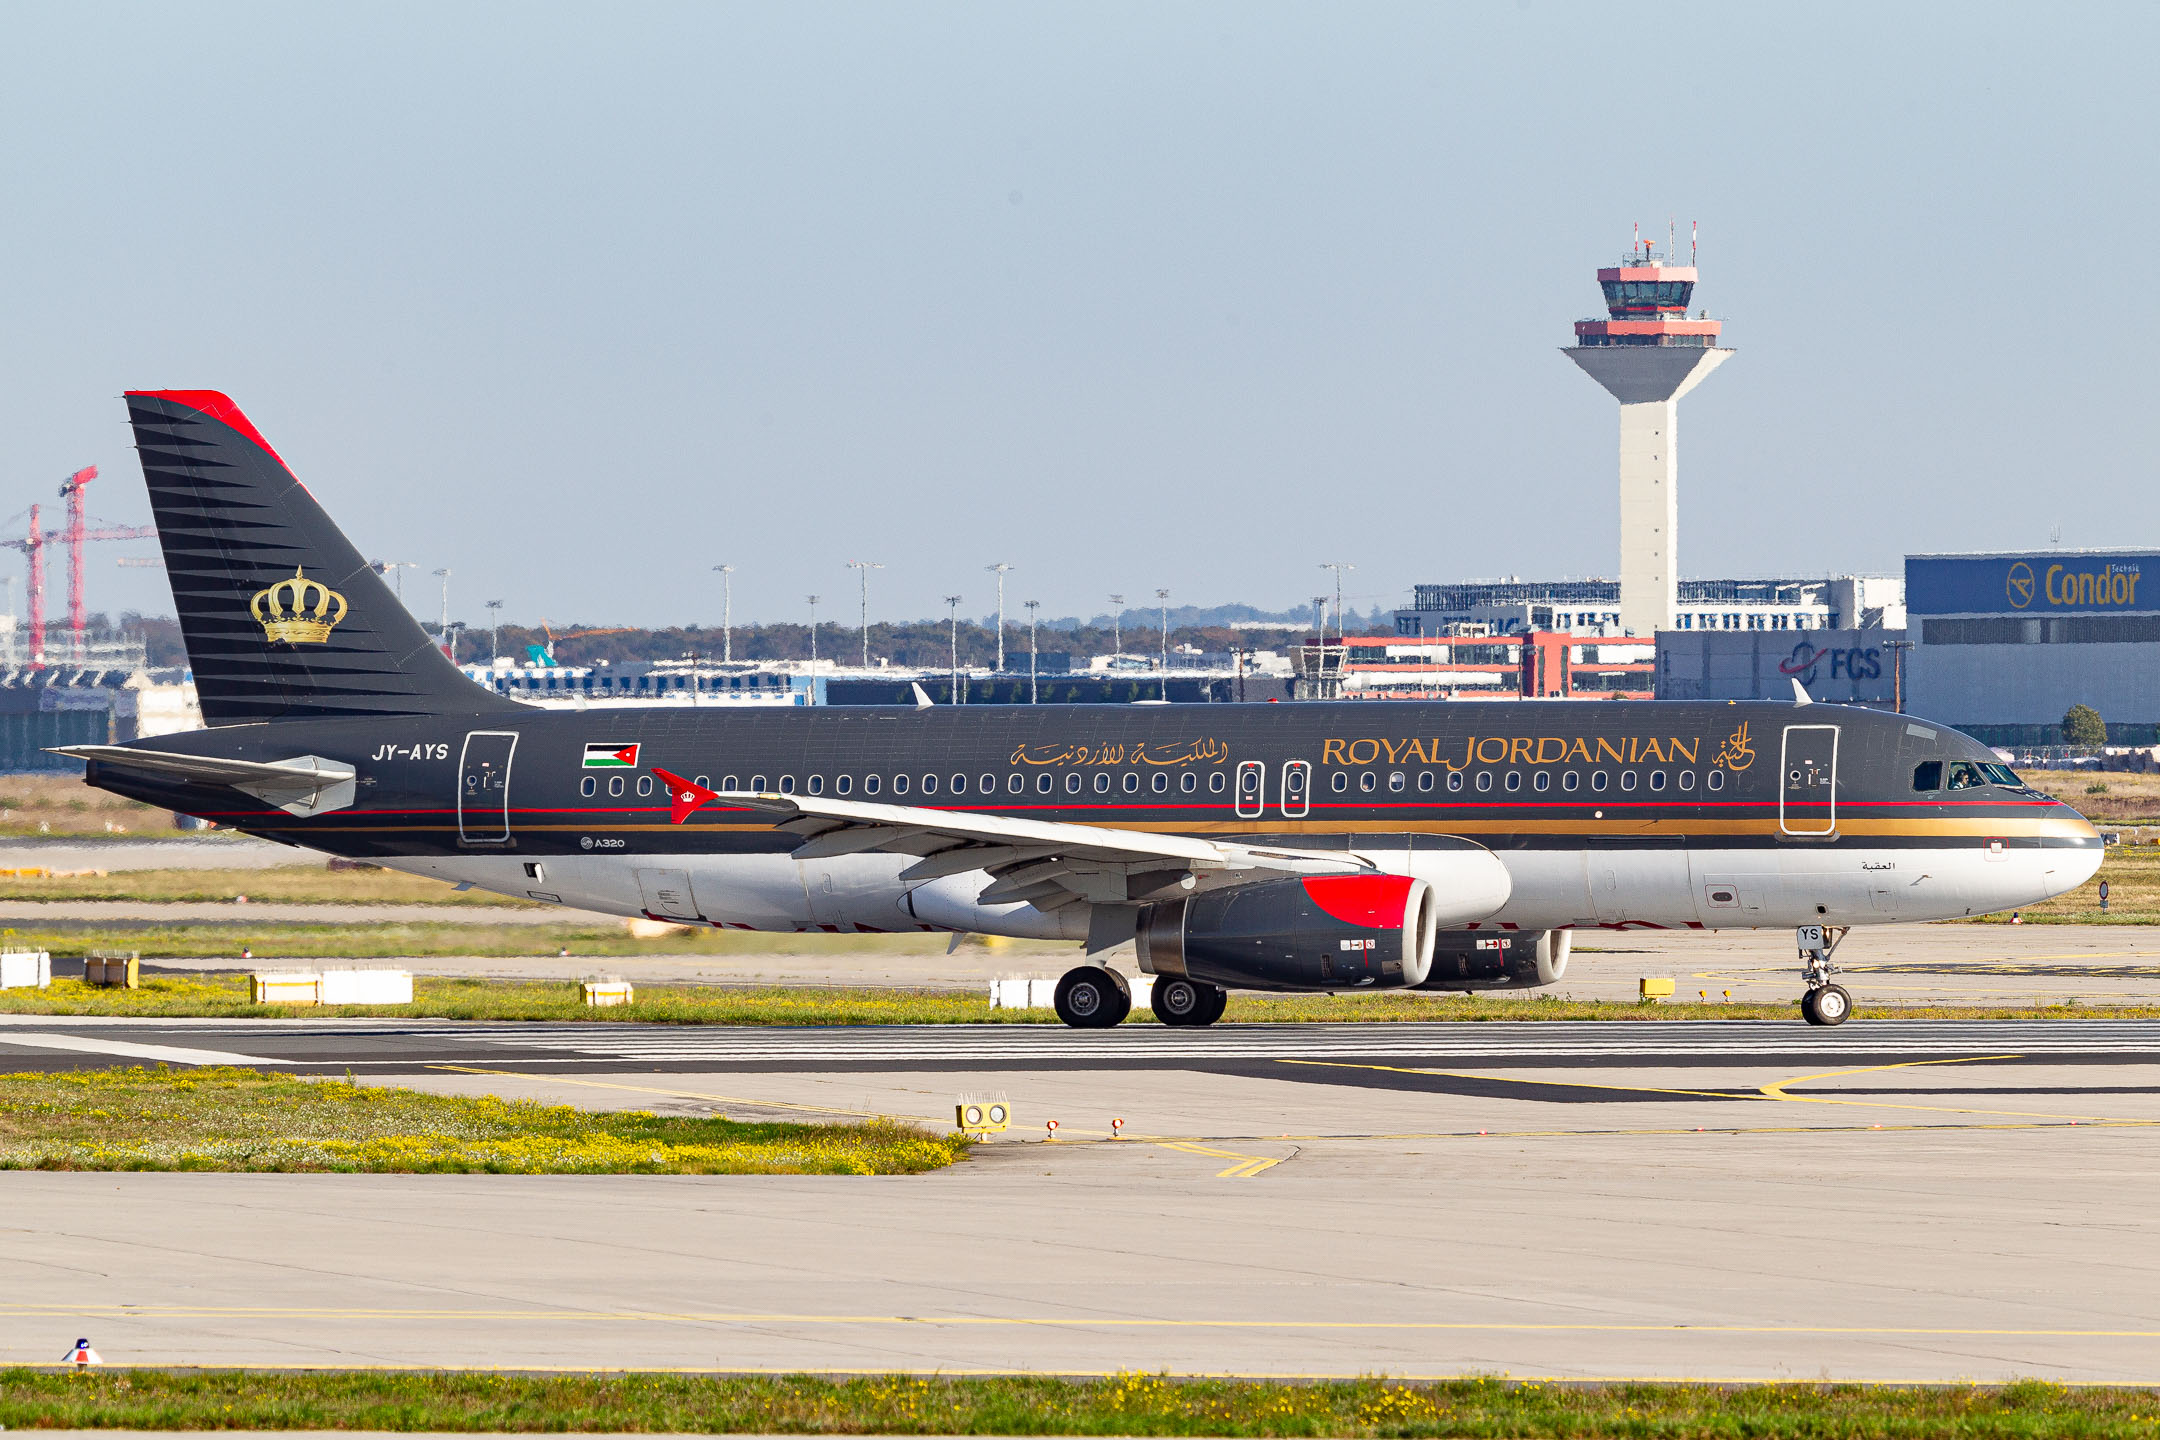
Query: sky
x,y
582,301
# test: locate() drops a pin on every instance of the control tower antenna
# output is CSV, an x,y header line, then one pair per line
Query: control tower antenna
x,y
1648,354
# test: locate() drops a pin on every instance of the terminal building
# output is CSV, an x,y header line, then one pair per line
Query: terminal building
x,y
2004,644
1593,607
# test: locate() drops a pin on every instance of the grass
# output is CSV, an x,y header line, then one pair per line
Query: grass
x,y
219,996
63,805
1040,1405
223,1118
275,884
2122,798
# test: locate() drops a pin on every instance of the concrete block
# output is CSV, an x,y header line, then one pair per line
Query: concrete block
x,y
25,970
367,987
608,992
285,987
118,969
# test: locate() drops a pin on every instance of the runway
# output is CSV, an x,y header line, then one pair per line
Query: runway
x,y
1901,1201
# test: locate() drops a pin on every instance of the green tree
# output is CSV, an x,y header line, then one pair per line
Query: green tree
x,y
2082,725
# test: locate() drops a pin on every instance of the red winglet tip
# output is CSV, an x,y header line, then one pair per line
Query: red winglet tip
x,y
218,406
684,796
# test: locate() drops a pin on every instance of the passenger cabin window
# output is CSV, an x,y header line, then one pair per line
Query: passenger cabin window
x,y
1187,783
1571,781
614,784
1425,781
929,784
1597,780
1396,781
1627,779
1217,783
1160,784
1716,780
1454,781
588,785
1043,782
1340,782
988,784
1102,782
959,784
1132,782
1017,783
1072,783
1927,775
732,782
1543,781
870,784
644,784
1964,775
1484,780
1514,779
816,784
787,784
1687,779
1368,782
757,782
843,783
899,784
703,782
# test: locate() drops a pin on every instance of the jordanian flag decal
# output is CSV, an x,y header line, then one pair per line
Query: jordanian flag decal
x,y
611,755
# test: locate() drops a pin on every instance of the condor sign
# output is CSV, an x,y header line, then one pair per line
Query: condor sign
x,y
2052,582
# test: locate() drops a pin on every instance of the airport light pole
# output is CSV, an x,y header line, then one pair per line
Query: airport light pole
x,y
999,570
1117,626
1338,567
863,569
727,612
1034,695
953,603
392,569
444,576
1162,598
813,634
494,629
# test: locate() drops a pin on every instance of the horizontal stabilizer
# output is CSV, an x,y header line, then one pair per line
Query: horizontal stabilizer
x,y
304,785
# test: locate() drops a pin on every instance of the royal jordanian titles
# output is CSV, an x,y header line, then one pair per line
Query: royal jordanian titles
x,y
1264,847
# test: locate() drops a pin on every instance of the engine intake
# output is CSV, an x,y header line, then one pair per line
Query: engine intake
x,y
1323,932
1498,959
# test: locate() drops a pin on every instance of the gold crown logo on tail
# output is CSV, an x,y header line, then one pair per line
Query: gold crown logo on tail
x,y
298,610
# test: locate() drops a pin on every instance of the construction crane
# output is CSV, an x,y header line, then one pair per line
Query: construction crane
x,y
76,533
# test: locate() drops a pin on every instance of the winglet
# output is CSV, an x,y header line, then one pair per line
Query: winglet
x,y
684,796
922,696
1799,693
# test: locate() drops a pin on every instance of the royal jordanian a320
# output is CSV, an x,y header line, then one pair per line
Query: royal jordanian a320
x,y
1265,847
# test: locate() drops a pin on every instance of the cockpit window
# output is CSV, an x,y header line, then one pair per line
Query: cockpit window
x,y
1964,775
1927,775
2002,775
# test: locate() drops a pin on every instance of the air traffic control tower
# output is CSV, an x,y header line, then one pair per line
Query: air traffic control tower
x,y
1648,354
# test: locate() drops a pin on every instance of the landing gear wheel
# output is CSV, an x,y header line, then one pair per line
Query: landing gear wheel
x,y
1807,1008
1090,997
1217,998
1832,1005
1178,1001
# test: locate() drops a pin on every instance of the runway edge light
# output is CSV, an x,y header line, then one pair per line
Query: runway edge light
x,y
82,1357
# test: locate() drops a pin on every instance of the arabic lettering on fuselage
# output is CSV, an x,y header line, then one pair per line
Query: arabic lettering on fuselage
x,y
1535,750
1160,752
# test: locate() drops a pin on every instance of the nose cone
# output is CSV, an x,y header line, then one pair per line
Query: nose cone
x,y
2077,862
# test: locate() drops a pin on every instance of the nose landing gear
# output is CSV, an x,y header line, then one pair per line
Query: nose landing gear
x,y
1825,1003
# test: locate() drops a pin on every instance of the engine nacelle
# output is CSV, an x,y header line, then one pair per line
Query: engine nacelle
x,y
1498,959
1322,932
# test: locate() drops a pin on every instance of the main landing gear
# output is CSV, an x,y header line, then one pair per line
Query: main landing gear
x,y
1825,1002
1092,997
1178,1001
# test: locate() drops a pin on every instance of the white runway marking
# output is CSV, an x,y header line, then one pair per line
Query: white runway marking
x,y
127,1049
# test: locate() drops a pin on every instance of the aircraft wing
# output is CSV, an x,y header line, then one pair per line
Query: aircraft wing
x,y
304,785
1046,863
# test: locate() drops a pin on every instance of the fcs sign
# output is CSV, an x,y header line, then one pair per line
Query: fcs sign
x,y
2055,583
1810,664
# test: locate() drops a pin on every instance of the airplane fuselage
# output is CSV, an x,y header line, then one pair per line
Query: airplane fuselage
x,y
1659,814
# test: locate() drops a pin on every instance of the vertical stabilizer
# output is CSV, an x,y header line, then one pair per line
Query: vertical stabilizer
x,y
283,619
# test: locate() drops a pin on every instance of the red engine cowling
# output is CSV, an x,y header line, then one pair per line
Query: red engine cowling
x,y
1322,932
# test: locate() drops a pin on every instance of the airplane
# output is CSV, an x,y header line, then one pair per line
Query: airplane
x,y
1321,846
